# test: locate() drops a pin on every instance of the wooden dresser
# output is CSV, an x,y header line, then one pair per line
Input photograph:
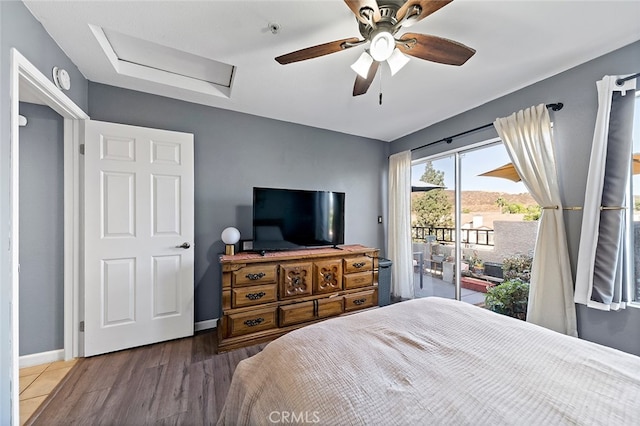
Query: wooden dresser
x,y
264,297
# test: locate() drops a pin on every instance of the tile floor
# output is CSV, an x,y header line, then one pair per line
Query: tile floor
x,y
37,382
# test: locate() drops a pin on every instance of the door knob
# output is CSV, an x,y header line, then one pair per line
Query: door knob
x,y
184,245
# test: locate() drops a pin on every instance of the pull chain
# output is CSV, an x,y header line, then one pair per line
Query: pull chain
x,y
380,79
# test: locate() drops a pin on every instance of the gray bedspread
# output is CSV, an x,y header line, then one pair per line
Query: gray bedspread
x,y
433,361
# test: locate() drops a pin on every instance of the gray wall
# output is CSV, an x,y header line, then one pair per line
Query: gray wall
x,y
235,152
513,237
41,230
573,127
19,29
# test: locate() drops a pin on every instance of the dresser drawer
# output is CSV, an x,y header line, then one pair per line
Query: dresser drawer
x,y
254,295
327,276
364,299
252,275
309,311
358,264
250,322
361,279
296,280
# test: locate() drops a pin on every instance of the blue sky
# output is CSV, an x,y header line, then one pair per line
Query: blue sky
x,y
473,164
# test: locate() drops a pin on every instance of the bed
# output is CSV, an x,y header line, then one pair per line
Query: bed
x,y
433,361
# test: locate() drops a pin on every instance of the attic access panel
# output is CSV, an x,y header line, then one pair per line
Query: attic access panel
x,y
151,61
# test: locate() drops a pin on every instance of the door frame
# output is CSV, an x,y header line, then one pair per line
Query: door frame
x,y
26,78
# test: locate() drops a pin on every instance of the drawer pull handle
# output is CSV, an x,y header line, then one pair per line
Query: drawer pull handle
x,y
359,264
254,322
255,296
254,277
359,301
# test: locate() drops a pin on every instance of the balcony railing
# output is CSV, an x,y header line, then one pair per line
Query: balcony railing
x,y
483,237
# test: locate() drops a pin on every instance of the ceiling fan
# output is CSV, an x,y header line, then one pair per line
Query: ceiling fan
x,y
379,21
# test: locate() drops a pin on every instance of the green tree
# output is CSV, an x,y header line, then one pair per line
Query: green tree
x,y
515,208
533,213
530,212
432,208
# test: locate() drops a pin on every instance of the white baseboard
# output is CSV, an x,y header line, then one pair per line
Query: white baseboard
x,y
41,358
206,325
58,355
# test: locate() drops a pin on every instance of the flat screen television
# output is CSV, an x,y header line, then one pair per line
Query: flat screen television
x,y
288,219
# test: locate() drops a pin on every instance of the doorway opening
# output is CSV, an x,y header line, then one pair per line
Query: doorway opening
x,y
41,241
27,83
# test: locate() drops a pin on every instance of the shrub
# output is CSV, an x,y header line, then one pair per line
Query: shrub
x,y
509,298
533,213
517,267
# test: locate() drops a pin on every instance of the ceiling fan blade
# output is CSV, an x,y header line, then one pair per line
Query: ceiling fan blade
x,y
362,84
427,6
316,51
435,49
357,5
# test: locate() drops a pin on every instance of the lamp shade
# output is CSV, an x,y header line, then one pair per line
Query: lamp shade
x,y
230,235
382,45
397,60
362,65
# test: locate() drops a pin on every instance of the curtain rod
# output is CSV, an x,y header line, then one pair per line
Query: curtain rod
x,y
631,77
554,107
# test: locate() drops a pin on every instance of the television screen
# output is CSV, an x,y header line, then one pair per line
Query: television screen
x,y
285,219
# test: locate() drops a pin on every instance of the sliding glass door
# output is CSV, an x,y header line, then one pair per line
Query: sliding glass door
x,y
433,226
470,213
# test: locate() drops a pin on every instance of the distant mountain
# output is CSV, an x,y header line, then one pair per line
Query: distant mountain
x,y
485,201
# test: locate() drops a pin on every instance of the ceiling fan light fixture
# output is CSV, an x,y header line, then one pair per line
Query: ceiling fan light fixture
x,y
362,65
378,23
382,45
397,60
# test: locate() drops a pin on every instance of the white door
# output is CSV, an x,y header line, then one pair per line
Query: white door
x,y
138,236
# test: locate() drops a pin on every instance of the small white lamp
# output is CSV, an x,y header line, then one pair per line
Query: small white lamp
x,y
230,236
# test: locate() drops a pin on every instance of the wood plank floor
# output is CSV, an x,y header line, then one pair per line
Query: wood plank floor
x,y
174,383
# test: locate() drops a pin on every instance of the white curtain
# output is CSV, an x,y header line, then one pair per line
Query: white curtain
x,y
528,138
399,249
603,276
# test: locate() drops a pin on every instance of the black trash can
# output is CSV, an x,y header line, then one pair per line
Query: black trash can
x,y
384,281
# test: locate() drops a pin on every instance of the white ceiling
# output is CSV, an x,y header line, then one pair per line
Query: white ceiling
x,y
518,43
